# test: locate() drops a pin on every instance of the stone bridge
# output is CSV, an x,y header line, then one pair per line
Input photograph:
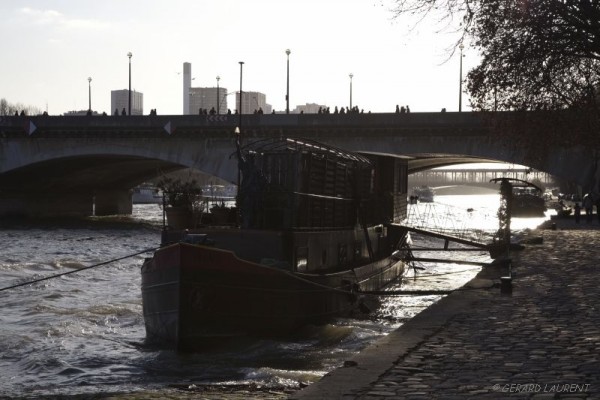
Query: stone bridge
x,y
56,165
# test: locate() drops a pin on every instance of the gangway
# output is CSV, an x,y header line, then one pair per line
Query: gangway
x,y
447,238
401,230
451,222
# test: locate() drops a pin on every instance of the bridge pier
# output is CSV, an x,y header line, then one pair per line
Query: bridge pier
x,y
112,202
39,204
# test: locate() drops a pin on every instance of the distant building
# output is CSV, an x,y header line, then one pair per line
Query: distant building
x,y
201,98
119,100
206,98
76,113
196,99
253,101
187,84
308,108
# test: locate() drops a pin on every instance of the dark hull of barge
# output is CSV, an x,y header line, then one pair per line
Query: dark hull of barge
x,y
197,295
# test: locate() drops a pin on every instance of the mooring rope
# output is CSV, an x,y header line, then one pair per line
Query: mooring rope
x,y
78,270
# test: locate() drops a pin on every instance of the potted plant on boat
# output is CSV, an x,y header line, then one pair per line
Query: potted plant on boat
x,y
221,214
182,201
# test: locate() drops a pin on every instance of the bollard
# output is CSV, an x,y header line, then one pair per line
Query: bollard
x,y
505,284
553,226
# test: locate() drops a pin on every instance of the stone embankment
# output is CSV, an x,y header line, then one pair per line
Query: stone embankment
x,y
542,341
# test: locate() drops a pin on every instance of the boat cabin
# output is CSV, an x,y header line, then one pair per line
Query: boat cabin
x,y
309,207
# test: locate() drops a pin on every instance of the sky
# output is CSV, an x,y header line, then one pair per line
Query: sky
x,y
51,47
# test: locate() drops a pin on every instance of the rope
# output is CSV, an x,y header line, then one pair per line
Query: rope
x,y
78,270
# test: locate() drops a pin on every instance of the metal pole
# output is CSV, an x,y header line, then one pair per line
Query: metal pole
x,y
129,109
90,94
287,95
351,75
240,106
239,141
460,80
218,108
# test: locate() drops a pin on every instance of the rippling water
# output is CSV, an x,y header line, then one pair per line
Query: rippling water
x,y
84,332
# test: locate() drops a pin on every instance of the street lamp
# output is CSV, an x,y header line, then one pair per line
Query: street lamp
x,y
129,55
351,75
461,47
218,108
89,95
240,106
238,132
287,95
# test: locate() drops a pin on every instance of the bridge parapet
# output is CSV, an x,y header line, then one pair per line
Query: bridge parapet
x,y
252,124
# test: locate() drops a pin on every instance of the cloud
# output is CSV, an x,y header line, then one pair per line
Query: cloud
x,y
57,19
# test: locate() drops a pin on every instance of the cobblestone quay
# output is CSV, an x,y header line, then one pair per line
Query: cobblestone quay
x,y
540,342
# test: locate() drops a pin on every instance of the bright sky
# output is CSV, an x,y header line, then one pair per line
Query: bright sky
x,y
51,47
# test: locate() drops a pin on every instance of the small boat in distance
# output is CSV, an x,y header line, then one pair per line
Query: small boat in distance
x,y
423,194
146,194
527,198
315,235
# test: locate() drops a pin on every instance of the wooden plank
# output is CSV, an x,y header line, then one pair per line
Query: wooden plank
x,y
440,249
441,236
447,261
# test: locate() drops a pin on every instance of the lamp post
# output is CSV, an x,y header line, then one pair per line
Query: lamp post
x,y
238,132
129,109
89,95
218,108
240,105
461,47
351,75
287,94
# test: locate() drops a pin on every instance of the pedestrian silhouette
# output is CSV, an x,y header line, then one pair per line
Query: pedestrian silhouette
x,y
588,205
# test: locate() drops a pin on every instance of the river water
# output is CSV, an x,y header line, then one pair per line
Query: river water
x,y
84,332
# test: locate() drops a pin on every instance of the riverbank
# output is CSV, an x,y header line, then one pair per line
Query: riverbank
x,y
540,341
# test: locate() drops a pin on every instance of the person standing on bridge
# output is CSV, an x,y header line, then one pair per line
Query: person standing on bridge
x,y
588,205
